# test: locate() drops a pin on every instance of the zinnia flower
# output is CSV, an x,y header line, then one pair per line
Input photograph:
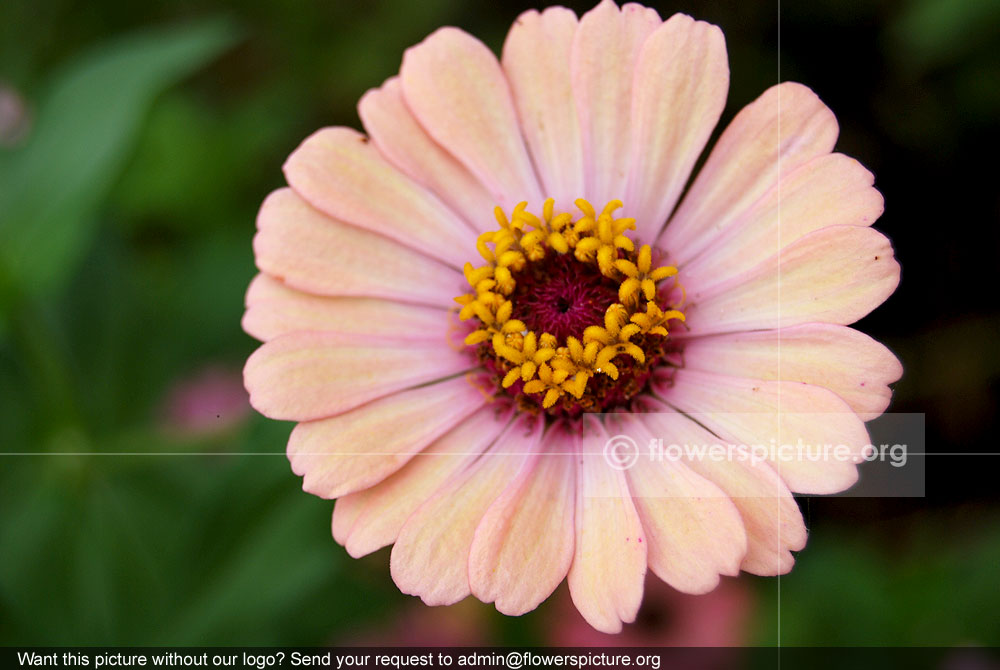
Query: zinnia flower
x,y
505,257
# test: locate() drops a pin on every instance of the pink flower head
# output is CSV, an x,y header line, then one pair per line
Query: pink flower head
x,y
448,301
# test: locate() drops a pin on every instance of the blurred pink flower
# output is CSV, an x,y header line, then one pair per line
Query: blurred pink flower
x,y
15,121
971,658
667,618
208,402
730,304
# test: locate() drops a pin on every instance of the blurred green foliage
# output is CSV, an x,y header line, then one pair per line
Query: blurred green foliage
x,y
126,218
87,124
848,590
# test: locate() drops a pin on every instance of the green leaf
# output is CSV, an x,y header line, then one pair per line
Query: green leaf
x,y
932,33
50,189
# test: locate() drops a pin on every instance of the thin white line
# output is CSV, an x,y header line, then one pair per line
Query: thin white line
x,y
142,453
778,501
371,453
282,453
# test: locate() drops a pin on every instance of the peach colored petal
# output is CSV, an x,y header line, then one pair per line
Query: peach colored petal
x,y
609,563
849,363
536,62
309,375
457,91
340,173
345,515
360,448
827,191
317,254
771,517
431,556
368,520
402,140
679,92
693,531
782,129
823,439
274,309
834,275
604,53
523,546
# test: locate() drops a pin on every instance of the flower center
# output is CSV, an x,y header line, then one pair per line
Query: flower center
x,y
562,296
569,316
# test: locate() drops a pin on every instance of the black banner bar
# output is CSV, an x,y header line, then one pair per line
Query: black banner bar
x,y
400,658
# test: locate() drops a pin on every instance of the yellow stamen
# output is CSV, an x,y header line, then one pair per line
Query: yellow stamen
x,y
545,366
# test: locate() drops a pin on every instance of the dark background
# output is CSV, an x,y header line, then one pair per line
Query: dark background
x,y
138,140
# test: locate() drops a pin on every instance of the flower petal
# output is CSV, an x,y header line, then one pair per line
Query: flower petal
x,y
368,520
536,62
457,91
317,254
307,375
523,546
274,309
609,563
771,517
340,173
358,449
809,434
679,92
827,191
604,53
431,556
849,363
782,129
402,140
692,529
834,275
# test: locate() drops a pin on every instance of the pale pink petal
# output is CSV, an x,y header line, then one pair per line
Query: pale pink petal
x,y
345,514
309,375
827,191
609,563
368,520
340,173
275,309
406,144
679,92
523,546
604,53
693,531
360,448
536,62
317,254
849,363
431,556
457,91
811,437
771,517
782,129
834,275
